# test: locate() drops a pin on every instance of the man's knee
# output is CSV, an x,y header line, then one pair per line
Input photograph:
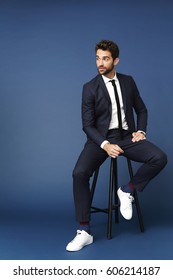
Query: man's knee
x,y
164,159
161,159
79,173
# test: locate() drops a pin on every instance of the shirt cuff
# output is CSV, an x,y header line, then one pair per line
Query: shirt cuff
x,y
103,143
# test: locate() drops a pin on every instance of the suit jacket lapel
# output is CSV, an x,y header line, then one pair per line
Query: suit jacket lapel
x,y
103,86
123,91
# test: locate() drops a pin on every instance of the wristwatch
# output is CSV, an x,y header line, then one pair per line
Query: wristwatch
x,y
141,131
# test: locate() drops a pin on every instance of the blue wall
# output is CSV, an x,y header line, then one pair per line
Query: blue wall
x,y
46,55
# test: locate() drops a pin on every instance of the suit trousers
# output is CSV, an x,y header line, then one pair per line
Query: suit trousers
x,y
153,160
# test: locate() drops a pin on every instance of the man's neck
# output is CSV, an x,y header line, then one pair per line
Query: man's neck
x,y
111,75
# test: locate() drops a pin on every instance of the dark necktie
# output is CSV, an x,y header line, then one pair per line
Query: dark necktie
x,y
118,108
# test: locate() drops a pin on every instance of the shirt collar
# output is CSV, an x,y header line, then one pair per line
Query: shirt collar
x,y
106,80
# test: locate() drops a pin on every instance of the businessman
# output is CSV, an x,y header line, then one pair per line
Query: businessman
x,y
109,103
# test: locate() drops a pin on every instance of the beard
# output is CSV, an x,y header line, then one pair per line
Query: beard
x,y
106,71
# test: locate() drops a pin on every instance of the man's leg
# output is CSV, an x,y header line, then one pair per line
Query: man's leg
x,y
89,160
153,161
152,157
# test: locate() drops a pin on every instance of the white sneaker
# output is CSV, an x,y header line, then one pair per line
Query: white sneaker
x,y
126,200
81,239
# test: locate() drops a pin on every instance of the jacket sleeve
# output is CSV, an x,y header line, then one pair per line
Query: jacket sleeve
x,y
89,115
140,109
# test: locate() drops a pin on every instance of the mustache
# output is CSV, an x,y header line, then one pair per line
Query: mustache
x,y
101,67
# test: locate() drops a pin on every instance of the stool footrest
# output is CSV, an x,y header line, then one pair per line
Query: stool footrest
x,y
103,210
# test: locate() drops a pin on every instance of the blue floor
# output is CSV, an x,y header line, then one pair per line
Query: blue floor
x,y
44,237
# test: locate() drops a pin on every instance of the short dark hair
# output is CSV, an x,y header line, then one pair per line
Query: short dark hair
x,y
107,45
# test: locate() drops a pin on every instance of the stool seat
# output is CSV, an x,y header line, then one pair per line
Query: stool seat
x,y
113,204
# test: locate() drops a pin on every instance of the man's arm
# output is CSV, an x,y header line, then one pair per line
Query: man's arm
x,y
142,115
89,116
140,109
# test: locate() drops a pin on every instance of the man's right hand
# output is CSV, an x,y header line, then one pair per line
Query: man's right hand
x,y
112,150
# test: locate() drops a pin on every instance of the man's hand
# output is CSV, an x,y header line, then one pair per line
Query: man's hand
x,y
138,136
113,150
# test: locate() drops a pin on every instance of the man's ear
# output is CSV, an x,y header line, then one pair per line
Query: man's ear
x,y
116,61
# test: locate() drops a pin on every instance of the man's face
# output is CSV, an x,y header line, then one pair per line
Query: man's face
x,y
105,63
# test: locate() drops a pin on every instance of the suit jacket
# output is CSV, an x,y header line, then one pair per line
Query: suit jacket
x,y
97,107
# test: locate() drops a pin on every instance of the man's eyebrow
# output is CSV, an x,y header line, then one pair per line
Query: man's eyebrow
x,y
105,56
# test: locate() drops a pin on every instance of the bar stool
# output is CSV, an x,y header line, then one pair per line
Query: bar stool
x,y
113,204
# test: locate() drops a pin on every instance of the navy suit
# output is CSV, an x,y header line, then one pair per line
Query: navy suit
x,y
96,116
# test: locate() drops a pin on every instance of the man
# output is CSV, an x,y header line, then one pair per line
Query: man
x,y
109,124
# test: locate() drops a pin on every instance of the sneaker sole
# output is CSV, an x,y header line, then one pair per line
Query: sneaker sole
x,y
79,248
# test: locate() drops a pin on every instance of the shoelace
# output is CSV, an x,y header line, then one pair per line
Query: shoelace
x,y
131,199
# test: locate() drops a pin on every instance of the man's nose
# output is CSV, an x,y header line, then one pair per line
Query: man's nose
x,y
100,63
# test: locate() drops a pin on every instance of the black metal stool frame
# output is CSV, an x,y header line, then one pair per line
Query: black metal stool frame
x,y
113,197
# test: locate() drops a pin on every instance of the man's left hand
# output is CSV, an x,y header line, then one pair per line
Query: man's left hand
x,y
138,136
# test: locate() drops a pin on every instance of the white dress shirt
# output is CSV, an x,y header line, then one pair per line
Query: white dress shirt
x,y
114,118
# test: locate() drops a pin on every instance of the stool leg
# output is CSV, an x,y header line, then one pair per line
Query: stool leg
x,y
136,198
111,184
115,182
139,212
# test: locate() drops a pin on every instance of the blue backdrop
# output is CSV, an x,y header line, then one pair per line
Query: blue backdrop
x,y
46,55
